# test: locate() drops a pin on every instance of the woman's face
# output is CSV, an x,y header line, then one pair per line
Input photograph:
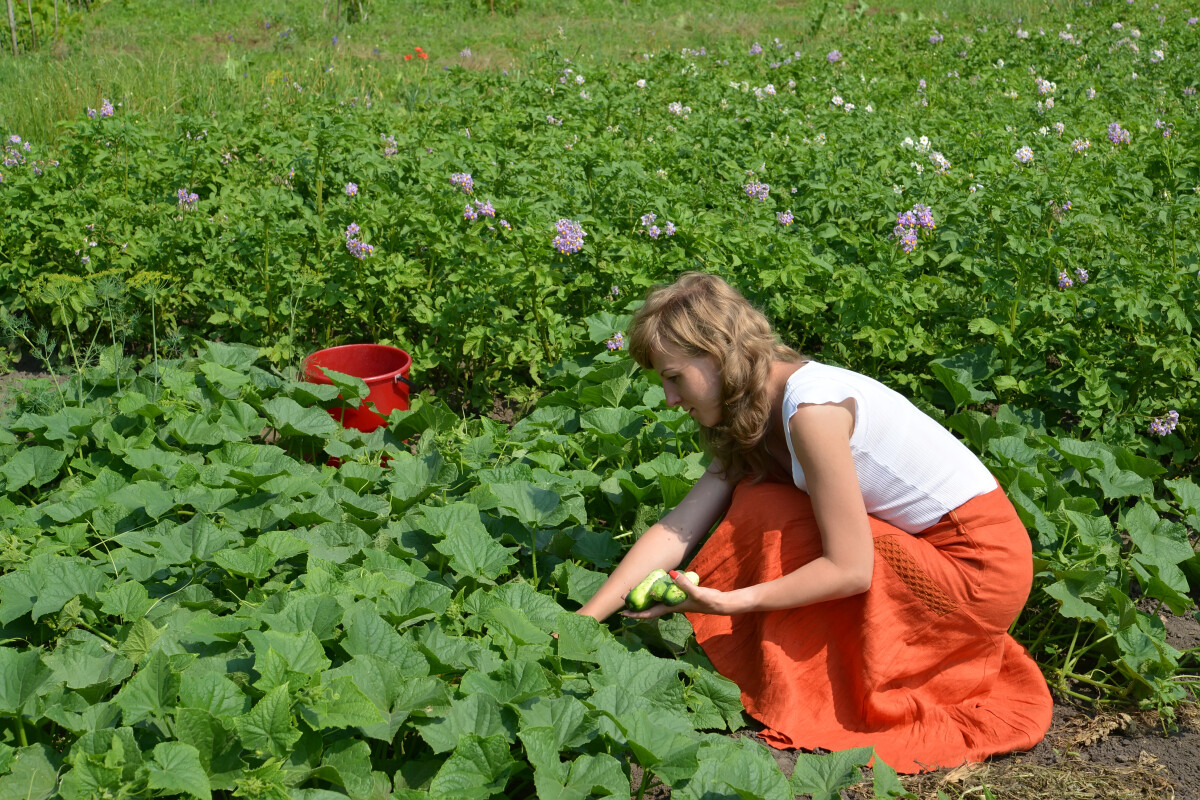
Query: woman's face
x,y
691,383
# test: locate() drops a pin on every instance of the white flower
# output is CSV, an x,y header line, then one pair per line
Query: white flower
x,y
837,100
641,83
907,143
579,80
897,188
870,109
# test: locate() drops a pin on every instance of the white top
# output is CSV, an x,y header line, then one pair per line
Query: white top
x,y
911,470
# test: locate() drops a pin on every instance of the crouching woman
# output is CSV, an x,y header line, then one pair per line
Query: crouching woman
x,y
860,585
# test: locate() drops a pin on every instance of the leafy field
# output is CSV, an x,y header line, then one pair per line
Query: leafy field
x,y
999,218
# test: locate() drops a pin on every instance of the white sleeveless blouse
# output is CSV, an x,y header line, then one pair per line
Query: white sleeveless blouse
x,y
911,470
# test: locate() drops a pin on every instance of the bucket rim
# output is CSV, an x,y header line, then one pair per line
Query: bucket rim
x,y
311,370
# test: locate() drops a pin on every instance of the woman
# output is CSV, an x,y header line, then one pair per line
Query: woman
x,y
861,583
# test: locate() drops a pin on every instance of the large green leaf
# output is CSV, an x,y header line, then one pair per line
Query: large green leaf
x,y
292,419
532,505
825,776
269,728
153,690
475,714
22,673
81,659
737,768
34,774
339,703
474,553
33,466
176,768
478,768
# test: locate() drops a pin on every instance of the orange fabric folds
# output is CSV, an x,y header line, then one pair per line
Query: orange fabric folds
x,y
920,666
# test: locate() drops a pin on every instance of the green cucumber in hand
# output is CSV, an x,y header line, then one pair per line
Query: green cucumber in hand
x,y
639,598
674,595
657,587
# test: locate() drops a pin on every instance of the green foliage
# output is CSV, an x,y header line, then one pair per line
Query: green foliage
x,y
195,601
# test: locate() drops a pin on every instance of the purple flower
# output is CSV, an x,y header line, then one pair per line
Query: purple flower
x,y
504,224
1081,145
669,228
187,200
653,231
351,190
480,209
785,217
464,53
463,181
1023,155
909,223
356,248
1064,281
91,112
1118,135
1081,275
1193,20
936,38
570,236
755,49
1161,426
648,219
834,56
106,108
756,190
616,290
617,342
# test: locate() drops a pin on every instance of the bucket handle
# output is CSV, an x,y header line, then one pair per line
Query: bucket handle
x,y
405,381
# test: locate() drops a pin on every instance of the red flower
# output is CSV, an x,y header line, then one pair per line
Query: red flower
x,y
408,57
417,49
423,55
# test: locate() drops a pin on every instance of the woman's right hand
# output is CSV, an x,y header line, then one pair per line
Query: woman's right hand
x,y
700,599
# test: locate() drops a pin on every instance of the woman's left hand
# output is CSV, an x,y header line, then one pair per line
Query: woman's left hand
x,y
700,600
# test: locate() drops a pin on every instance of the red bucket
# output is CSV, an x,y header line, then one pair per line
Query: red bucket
x,y
385,371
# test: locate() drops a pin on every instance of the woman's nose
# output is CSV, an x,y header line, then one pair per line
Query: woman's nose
x,y
673,398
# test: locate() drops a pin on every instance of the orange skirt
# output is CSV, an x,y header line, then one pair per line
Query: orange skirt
x,y
920,666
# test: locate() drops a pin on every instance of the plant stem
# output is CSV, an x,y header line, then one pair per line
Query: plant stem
x,y
24,740
533,552
645,783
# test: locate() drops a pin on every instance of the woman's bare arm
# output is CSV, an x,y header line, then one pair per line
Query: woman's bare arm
x,y
821,438
666,543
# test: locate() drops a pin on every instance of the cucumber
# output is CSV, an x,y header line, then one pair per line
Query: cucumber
x,y
674,595
657,587
659,590
638,598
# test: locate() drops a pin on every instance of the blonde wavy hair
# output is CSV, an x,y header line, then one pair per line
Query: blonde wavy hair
x,y
701,315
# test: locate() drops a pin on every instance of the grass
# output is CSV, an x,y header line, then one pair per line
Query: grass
x,y
194,57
